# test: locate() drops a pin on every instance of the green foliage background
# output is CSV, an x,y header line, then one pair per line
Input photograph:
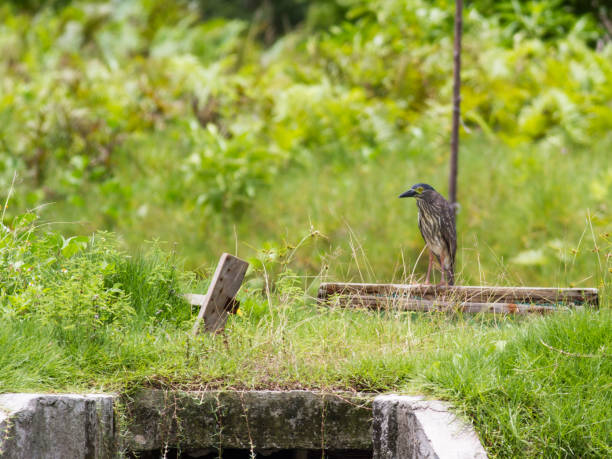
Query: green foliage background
x,y
197,125
284,131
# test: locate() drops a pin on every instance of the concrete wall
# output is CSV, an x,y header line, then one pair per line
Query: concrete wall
x,y
49,426
411,427
257,419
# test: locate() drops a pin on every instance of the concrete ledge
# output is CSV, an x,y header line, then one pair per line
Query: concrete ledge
x,y
83,426
252,419
51,426
411,427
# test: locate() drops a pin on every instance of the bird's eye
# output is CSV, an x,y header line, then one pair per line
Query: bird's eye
x,y
420,189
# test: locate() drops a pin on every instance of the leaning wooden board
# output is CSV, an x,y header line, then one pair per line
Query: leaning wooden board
x,y
417,297
219,301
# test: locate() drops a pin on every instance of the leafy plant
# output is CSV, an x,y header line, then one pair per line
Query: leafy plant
x,y
85,284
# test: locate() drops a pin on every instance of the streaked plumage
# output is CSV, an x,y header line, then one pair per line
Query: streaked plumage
x,y
437,225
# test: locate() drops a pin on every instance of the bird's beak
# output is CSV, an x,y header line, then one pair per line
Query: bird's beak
x,y
408,194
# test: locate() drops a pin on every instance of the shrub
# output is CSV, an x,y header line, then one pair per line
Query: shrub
x,y
84,283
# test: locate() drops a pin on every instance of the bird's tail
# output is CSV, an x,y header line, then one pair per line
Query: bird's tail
x,y
449,275
449,271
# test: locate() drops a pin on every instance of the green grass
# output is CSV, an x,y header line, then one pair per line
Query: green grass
x,y
531,385
544,389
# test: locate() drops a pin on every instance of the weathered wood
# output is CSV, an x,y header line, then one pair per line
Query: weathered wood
x,y
219,301
196,299
407,304
470,294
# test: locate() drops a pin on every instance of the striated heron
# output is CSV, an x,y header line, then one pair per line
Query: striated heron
x,y
437,225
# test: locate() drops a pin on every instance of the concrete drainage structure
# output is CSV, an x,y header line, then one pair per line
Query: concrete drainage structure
x,y
199,424
53,426
411,427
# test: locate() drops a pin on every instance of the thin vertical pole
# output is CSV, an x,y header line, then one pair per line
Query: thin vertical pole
x,y
452,179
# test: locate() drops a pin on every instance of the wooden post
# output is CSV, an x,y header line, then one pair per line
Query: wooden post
x,y
219,301
452,179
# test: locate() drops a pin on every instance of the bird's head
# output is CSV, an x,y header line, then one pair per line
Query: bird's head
x,y
419,191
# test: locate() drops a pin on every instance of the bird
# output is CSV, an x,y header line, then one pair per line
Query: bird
x,y
437,224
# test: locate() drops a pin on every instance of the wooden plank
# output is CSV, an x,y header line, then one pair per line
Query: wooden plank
x,y
219,301
196,299
476,294
406,304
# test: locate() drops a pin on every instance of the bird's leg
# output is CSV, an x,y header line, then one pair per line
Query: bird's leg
x,y
429,267
444,281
